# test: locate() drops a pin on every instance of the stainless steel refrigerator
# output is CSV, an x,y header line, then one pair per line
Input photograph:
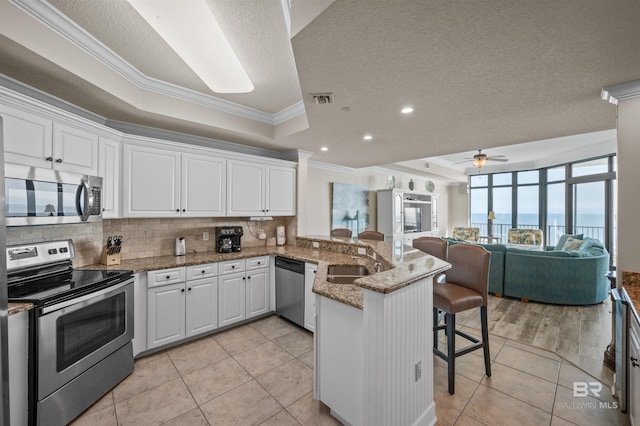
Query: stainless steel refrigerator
x,y
4,362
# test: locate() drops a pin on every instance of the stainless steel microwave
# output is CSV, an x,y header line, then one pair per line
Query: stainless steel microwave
x,y
35,196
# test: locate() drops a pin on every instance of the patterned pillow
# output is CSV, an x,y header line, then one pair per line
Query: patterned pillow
x,y
563,239
572,244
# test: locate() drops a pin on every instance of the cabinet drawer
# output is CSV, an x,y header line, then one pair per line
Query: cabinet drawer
x,y
165,276
207,270
231,266
257,262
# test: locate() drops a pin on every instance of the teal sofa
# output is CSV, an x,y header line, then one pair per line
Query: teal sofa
x,y
575,277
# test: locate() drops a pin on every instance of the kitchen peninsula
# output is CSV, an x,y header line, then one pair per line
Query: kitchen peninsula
x,y
373,338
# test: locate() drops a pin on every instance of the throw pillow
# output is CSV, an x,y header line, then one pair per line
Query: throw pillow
x,y
563,239
572,244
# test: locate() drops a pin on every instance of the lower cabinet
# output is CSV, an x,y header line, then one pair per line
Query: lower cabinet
x,y
309,298
243,289
634,373
232,298
183,309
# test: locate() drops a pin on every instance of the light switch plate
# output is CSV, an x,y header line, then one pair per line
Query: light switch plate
x,y
362,250
315,244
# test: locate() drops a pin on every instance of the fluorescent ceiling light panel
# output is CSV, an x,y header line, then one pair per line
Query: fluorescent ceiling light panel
x,y
192,31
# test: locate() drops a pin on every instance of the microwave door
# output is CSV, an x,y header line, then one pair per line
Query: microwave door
x,y
83,203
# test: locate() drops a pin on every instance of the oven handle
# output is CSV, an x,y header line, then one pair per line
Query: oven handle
x,y
102,294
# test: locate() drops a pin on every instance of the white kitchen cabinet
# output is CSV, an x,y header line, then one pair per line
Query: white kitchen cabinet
x,y
232,298
151,182
165,314
256,189
203,186
257,287
166,183
38,142
139,314
634,372
18,351
309,297
109,170
202,299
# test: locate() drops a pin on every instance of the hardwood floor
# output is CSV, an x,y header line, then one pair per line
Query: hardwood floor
x,y
579,334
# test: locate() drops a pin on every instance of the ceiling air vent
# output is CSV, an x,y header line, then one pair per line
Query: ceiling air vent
x,y
322,98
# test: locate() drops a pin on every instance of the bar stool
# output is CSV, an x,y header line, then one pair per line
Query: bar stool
x,y
371,235
436,247
466,287
341,232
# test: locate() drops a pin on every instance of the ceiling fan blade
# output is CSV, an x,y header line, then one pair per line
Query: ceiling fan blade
x,y
498,156
502,160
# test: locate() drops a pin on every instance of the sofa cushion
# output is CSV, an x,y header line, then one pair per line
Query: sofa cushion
x,y
563,239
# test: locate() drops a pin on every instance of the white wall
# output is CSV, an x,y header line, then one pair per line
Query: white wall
x,y
320,177
628,178
458,206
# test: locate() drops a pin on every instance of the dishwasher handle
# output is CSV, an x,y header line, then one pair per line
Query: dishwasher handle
x,y
290,264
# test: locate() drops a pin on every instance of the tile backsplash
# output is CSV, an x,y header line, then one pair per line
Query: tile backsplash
x,y
147,237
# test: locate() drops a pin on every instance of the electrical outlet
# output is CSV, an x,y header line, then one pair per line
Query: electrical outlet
x,y
315,244
418,370
205,236
362,250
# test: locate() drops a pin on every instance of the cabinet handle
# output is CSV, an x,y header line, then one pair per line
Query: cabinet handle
x,y
182,290
59,160
244,278
177,210
233,266
249,277
184,210
189,288
168,276
203,271
49,159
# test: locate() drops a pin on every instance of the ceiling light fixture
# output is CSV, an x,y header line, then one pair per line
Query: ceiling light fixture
x,y
479,160
192,31
324,148
406,110
367,137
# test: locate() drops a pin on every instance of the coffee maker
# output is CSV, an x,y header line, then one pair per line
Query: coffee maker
x,y
228,239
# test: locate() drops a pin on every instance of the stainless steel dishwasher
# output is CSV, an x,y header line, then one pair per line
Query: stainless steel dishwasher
x,y
290,289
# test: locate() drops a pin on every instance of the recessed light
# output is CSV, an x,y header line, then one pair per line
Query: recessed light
x,y
406,110
324,148
367,137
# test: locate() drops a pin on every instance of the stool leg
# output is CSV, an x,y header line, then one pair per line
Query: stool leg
x,y
485,340
435,324
451,350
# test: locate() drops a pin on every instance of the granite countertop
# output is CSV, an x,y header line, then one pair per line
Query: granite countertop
x,y
401,265
15,308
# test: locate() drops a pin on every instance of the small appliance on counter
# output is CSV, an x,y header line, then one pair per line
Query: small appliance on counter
x,y
228,239
181,246
280,237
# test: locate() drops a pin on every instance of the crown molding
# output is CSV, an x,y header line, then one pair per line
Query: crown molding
x,y
329,166
66,28
620,92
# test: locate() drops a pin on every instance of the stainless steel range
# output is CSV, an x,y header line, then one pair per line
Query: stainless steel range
x,y
80,329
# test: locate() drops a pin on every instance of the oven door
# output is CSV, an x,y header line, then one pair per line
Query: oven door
x,y
76,334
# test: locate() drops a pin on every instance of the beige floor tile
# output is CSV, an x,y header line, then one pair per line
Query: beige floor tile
x,y
197,354
157,405
534,364
586,410
468,365
464,389
307,359
296,342
263,358
533,349
570,374
289,382
149,372
273,327
464,420
190,418
104,416
239,339
248,404
210,382
309,411
531,389
495,408
283,418
557,421
446,415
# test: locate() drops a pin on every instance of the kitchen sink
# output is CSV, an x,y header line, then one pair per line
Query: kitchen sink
x,y
345,274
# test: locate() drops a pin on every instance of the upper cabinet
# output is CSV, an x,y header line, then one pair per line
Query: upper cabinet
x,y
166,183
38,142
257,189
109,170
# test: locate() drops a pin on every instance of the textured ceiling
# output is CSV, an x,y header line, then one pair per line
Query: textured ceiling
x,y
479,74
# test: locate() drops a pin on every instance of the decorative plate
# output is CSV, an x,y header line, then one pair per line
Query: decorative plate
x,y
430,186
391,182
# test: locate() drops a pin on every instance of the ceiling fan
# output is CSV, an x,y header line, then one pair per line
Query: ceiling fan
x,y
481,159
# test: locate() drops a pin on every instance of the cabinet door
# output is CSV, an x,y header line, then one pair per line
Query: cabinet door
x,y
309,297
109,170
27,138
634,374
281,191
204,183
165,314
151,182
257,292
202,306
74,150
245,194
231,298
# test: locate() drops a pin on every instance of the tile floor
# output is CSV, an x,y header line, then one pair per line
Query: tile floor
x,y
262,374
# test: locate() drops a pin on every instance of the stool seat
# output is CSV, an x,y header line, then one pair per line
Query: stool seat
x,y
454,298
